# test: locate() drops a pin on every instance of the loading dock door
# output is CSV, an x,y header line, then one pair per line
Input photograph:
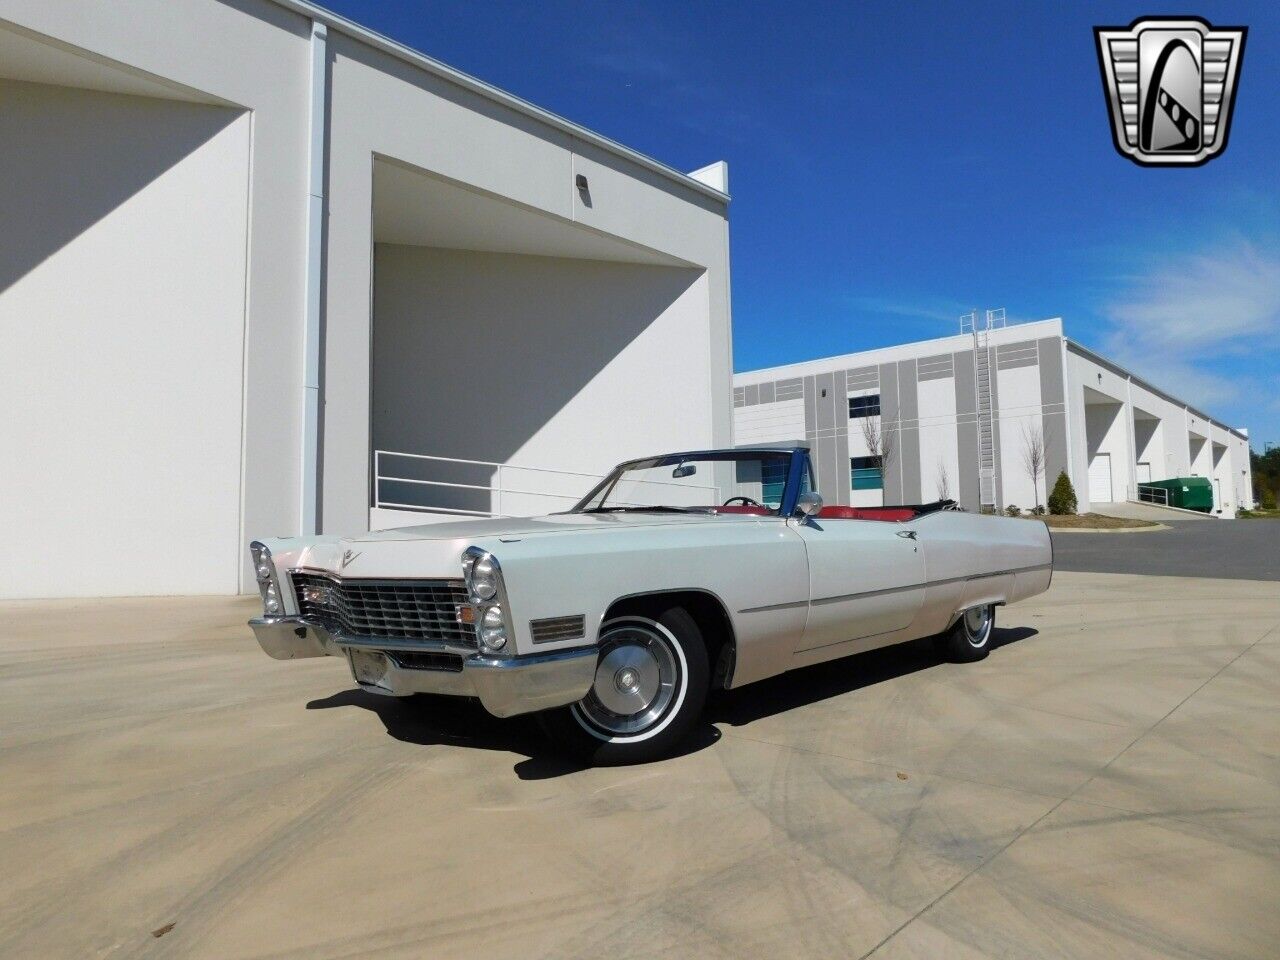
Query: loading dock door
x,y
1100,478
1144,472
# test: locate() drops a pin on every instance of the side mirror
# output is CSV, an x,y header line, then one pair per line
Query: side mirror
x,y
808,504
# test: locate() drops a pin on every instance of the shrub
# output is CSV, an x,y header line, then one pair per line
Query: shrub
x,y
1268,499
1012,510
1062,499
1037,511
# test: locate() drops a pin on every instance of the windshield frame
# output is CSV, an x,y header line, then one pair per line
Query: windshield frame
x,y
799,460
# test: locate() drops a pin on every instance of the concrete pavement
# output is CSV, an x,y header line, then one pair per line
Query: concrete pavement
x,y
1106,784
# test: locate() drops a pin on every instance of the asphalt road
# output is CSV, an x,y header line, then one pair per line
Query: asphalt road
x,y
1104,785
1191,547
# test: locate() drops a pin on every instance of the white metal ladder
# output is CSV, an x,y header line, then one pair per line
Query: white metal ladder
x,y
987,456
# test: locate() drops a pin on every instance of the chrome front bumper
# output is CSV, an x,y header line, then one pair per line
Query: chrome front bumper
x,y
507,686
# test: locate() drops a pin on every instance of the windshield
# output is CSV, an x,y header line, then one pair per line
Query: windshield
x,y
720,482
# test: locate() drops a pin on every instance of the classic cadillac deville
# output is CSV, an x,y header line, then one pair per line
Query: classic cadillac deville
x,y
677,574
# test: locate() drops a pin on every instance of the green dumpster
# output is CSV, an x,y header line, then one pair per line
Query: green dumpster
x,y
1189,493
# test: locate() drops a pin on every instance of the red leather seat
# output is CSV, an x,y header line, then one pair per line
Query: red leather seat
x,y
895,514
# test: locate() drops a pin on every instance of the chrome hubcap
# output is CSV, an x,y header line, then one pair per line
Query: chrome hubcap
x,y
636,681
977,625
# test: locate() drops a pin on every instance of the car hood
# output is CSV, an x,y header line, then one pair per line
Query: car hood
x,y
527,526
434,550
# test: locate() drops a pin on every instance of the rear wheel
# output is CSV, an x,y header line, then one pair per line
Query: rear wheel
x,y
969,638
650,687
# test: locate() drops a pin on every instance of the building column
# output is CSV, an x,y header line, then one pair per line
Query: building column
x,y
1131,481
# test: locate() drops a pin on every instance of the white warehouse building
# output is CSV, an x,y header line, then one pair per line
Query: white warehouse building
x,y
268,273
956,415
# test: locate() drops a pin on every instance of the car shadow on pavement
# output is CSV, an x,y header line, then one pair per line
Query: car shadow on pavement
x,y
458,721
462,722
799,688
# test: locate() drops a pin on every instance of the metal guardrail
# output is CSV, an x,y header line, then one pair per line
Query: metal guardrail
x,y
1156,495
492,492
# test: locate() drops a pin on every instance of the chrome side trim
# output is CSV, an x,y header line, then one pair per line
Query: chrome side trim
x,y
878,593
886,590
775,606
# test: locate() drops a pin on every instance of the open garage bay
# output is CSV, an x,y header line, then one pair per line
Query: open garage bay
x,y
1106,784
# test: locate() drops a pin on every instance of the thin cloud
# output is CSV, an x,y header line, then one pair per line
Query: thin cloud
x,y
1177,322
1202,299
936,311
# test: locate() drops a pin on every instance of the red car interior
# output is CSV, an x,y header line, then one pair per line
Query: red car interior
x,y
896,514
893,514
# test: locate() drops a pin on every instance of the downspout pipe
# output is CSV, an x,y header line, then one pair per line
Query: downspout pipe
x,y
308,507
1067,414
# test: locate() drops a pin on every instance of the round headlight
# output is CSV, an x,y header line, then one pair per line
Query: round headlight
x,y
264,572
493,629
273,605
484,579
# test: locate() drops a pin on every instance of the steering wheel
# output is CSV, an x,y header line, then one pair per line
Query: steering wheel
x,y
746,502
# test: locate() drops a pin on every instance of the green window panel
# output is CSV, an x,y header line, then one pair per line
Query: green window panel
x,y
865,474
773,478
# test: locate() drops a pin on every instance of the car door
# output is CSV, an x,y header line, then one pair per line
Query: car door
x,y
866,580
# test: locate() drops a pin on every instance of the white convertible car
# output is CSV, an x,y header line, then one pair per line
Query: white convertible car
x,y
675,575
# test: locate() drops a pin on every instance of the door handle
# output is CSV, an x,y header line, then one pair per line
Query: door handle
x,y
907,534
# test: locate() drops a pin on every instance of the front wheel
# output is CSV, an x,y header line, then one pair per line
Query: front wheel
x,y
969,638
650,687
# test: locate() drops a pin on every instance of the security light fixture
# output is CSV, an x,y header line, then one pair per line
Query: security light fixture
x,y
581,181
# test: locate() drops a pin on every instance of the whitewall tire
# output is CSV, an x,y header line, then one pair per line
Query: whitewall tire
x,y
969,638
650,687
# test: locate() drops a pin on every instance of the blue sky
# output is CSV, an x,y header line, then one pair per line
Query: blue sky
x,y
895,165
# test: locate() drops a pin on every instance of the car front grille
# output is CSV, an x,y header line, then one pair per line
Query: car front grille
x,y
425,610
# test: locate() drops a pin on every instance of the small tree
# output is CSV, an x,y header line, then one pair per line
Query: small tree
x,y
1033,456
1062,500
944,482
880,446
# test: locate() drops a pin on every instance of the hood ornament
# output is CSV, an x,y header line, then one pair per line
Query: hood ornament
x,y
347,557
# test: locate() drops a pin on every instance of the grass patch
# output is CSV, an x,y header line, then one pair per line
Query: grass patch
x,y
1090,521
1258,514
